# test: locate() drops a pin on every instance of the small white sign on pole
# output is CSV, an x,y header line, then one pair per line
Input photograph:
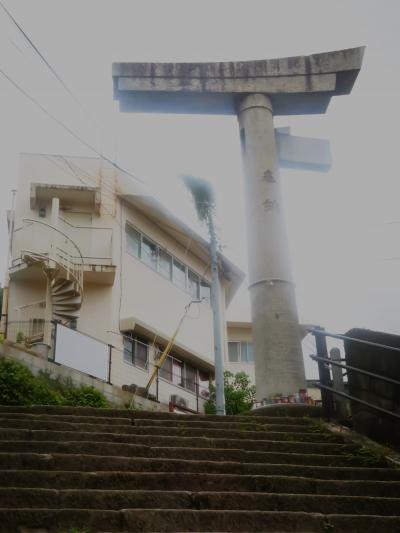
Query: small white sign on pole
x,y
81,352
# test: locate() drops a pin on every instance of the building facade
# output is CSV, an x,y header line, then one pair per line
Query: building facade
x,y
92,250
240,354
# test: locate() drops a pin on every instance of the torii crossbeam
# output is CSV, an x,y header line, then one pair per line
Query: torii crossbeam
x,y
256,91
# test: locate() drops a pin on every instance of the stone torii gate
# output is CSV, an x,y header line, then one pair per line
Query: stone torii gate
x,y
256,91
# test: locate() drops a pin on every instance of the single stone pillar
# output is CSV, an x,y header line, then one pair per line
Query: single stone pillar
x,y
338,384
279,366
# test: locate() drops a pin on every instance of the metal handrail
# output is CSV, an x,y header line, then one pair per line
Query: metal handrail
x,y
357,400
325,333
324,373
62,257
353,368
32,221
38,302
80,227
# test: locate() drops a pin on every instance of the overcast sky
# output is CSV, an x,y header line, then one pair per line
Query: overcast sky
x,y
342,225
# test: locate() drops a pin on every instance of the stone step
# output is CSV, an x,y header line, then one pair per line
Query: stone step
x,y
173,520
70,439
241,426
119,421
57,479
143,415
66,410
165,431
246,501
81,462
163,423
269,444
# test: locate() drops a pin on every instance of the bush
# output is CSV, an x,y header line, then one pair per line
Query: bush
x,y
85,396
239,394
18,386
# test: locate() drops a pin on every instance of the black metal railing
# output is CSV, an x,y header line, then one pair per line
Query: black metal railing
x,y
331,388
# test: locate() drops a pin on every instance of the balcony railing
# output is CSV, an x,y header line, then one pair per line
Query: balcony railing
x,y
37,240
74,244
95,243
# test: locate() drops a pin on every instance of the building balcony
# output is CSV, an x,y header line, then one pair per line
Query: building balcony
x,y
87,249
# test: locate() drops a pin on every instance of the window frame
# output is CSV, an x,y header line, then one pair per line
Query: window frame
x,y
200,280
133,360
241,351
184,364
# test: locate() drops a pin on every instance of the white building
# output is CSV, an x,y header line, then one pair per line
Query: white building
x,y
240,354
91,249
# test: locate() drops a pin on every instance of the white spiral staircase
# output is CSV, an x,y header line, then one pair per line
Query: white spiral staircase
x,y
61,261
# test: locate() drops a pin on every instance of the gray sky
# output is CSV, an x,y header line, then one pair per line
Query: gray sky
x,y
340,223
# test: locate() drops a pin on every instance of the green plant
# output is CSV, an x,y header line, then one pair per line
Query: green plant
x,y
19,339
239,394
18,386
85,396
366,457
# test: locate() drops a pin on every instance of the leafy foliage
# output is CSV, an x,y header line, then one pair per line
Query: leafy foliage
x,y
18,386
239,394
203,196
85,396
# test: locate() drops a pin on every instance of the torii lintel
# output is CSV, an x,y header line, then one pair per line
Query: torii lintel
x,y
296,85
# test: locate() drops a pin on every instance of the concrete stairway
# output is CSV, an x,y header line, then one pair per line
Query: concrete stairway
x,y
86,470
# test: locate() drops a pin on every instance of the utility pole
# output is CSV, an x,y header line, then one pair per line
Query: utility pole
x,y
203,197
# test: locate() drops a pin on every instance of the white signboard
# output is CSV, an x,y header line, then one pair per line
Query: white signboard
x,y
82,353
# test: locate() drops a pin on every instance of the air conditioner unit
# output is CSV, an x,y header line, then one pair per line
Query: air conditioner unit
x,y
178,400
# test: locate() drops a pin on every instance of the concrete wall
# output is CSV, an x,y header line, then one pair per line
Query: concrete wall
x,y
114,394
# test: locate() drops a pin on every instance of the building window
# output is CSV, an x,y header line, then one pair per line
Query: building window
x,y
165,264
177,372
233,351
184,375
136,352
166,369
133,241
247,353
193,285
240,352
149,253
36,326
179,274
190,378
170,268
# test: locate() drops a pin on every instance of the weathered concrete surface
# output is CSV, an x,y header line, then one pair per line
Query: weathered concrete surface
x,y
88,484
279,367
296,85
